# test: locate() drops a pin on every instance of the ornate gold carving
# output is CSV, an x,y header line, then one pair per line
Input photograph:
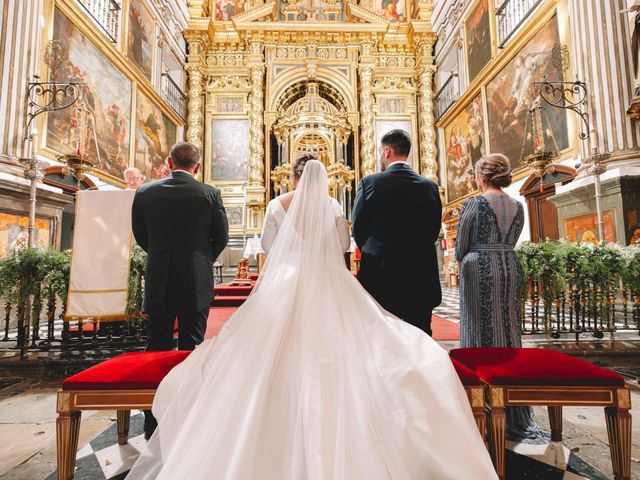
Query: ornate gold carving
x,y
393,105
256,128
228,82
195,119
229,104
497,397
428,149
395,83
624,398
477,397
366,117
64,400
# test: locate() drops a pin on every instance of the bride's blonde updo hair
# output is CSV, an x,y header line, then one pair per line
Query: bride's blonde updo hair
x,y
495,169
300,162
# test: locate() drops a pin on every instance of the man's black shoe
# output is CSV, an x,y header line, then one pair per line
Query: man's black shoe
x,y
150,425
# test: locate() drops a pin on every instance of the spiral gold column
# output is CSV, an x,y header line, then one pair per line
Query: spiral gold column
x,y
368,148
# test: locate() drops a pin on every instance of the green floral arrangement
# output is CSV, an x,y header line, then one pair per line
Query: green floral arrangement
x,y
630,267
137,267
544,264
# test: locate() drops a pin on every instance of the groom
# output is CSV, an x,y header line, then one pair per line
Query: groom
x,y
182,225
396,221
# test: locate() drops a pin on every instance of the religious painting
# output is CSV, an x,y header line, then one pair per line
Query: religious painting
x,y
141,37
512,93
234,215
393,10
633,232
584,228
227,9
14,233
464,146
478,38
229,150
384,126
155,135
310,10
98,124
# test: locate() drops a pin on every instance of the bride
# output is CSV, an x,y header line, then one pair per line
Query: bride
x,y
312,379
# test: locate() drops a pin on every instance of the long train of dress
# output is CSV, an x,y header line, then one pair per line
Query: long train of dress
x,y
312,379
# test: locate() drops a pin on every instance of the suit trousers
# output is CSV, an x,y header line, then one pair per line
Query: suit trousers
x,y
387,282
191,328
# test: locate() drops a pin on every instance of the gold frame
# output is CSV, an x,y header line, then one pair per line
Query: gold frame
x,y
116,55
124,47
492,39
529,30
483,104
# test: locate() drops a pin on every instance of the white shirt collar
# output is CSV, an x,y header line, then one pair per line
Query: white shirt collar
x,y
396,162
183,171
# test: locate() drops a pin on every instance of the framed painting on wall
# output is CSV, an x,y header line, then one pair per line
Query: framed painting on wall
x,y
14,233
105,102
584,228
141,37
155,135
478,38
464,144
227,9
394,10
512,92
384,126
229,150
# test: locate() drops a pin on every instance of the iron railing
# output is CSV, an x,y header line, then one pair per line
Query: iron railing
x,y
510,15
172,94
447,95
105,14
581,309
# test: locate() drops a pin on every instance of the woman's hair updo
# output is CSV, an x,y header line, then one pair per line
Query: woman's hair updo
x,y
300,162
495,169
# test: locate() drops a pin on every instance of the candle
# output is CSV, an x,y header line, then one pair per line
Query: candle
x,y
34,142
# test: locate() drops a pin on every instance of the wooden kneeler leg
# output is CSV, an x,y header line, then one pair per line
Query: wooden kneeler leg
x,y
123,426
619,432
497,420
555,421
67,432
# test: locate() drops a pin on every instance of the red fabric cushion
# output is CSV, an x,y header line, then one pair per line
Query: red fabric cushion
x,y
467,376
129,371
533,366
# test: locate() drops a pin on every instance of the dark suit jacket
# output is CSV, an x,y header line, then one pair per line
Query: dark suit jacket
x,y
182,225
396,221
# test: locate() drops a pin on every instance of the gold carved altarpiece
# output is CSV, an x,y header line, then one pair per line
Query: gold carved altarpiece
x,y
307,77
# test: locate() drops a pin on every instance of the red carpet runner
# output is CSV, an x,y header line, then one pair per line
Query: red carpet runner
x,y
442,329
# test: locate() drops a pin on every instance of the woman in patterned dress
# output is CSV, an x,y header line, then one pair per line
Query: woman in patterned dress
x,y
489,228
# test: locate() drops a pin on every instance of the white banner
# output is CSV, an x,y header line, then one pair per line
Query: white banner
x,y
98,284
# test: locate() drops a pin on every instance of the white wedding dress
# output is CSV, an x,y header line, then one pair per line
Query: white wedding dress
x,y
312,380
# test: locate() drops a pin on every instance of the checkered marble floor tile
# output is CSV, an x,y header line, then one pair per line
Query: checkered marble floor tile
x,y
104,459
449,309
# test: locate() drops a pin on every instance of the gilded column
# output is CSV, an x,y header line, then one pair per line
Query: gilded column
x,y
367,142
428,149
256,124
195,119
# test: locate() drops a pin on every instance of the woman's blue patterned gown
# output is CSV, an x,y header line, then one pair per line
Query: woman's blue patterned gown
x,y
489,228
